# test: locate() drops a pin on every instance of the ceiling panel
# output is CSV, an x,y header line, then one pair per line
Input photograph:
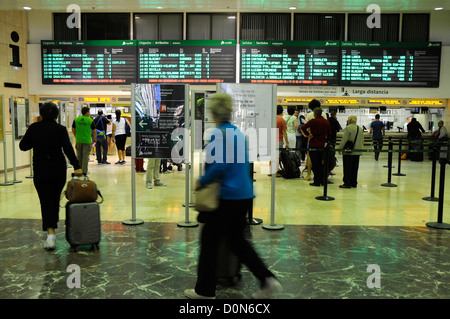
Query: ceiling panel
x,y
227,5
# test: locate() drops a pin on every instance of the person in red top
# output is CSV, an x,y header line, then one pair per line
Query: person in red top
x,y
320,134
282,127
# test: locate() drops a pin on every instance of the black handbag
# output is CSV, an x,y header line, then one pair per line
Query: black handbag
x,y
350,145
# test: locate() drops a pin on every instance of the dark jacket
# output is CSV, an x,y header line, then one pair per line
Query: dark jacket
x,y
414,129
48,140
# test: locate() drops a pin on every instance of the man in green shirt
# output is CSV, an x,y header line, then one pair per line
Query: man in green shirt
x,y
83,128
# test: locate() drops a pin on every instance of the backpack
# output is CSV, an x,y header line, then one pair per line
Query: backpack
x,y
290,163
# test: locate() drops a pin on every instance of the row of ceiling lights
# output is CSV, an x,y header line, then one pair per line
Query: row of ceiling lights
x,y
290,8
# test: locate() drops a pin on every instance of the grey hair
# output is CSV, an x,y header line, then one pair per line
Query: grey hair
x,y
352,119
221,107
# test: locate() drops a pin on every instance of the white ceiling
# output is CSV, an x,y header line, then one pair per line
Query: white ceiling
x,y
228,5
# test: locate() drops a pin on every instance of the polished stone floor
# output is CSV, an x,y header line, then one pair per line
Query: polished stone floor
x,y
323,251
158,261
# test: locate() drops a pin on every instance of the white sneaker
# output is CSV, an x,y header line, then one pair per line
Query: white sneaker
x,y
271,286
191,294
50,244
158,183
149,185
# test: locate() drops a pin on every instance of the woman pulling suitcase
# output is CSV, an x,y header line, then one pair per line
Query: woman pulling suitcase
x,y
48,140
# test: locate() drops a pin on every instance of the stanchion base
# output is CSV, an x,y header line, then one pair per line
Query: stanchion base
x,y
439,225
190,205
188,224
389,185
254,221
431,199
29,176
387,166
399,174
7,184
133,222
326,198
273,227
16,182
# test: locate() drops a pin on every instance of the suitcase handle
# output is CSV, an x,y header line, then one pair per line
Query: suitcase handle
x,y
84,175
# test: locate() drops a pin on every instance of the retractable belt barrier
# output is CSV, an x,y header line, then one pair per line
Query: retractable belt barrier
x,y
437,148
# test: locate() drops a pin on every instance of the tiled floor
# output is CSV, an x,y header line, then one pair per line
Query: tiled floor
x,y
322,252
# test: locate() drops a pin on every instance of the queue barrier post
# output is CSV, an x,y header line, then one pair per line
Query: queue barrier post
x,y
389,183
432,198
399,173
439,224
325,196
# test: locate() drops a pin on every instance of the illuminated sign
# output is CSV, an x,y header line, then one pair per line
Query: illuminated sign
x,y
290,62
88,62
390,64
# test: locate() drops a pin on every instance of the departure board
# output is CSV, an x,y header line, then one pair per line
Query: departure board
x,y
188,61
290,62
88,62
390,64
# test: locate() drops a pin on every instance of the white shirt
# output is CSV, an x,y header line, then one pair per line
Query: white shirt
x,y
120,126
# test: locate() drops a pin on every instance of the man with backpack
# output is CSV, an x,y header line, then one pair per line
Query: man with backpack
x,y
101,147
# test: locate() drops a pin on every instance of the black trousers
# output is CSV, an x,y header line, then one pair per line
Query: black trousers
x,y
228,223
317,166
351,166
377,145
49,181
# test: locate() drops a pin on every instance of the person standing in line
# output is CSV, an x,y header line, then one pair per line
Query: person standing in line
x,y
291,125
119,134
228,222
153,174
308,165
319,135
101,124
354,134
281,127
49,140
415,141
298,135
335,127
109,135
377,130
83,128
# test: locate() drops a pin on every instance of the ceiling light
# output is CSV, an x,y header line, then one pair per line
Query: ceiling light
x,y
26,8
292,8
439,8
159,8
231,17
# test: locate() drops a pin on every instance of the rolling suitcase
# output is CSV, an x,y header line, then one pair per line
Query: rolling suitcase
x,y
83,224
228,269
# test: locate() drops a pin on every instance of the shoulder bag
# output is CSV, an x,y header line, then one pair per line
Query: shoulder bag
x,y
207,197
351,145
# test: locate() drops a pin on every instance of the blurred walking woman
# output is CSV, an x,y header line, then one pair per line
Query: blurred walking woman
x,y
48,140
228,163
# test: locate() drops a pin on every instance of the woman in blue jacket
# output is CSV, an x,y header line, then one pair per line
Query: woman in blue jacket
x,y
227,162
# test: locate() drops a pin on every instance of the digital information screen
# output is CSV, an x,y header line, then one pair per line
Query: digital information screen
x,y
399,64
88,62
290,62
189,61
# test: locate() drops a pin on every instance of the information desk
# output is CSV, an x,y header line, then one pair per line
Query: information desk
x,y
88,62
400,64
290,62
190,61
